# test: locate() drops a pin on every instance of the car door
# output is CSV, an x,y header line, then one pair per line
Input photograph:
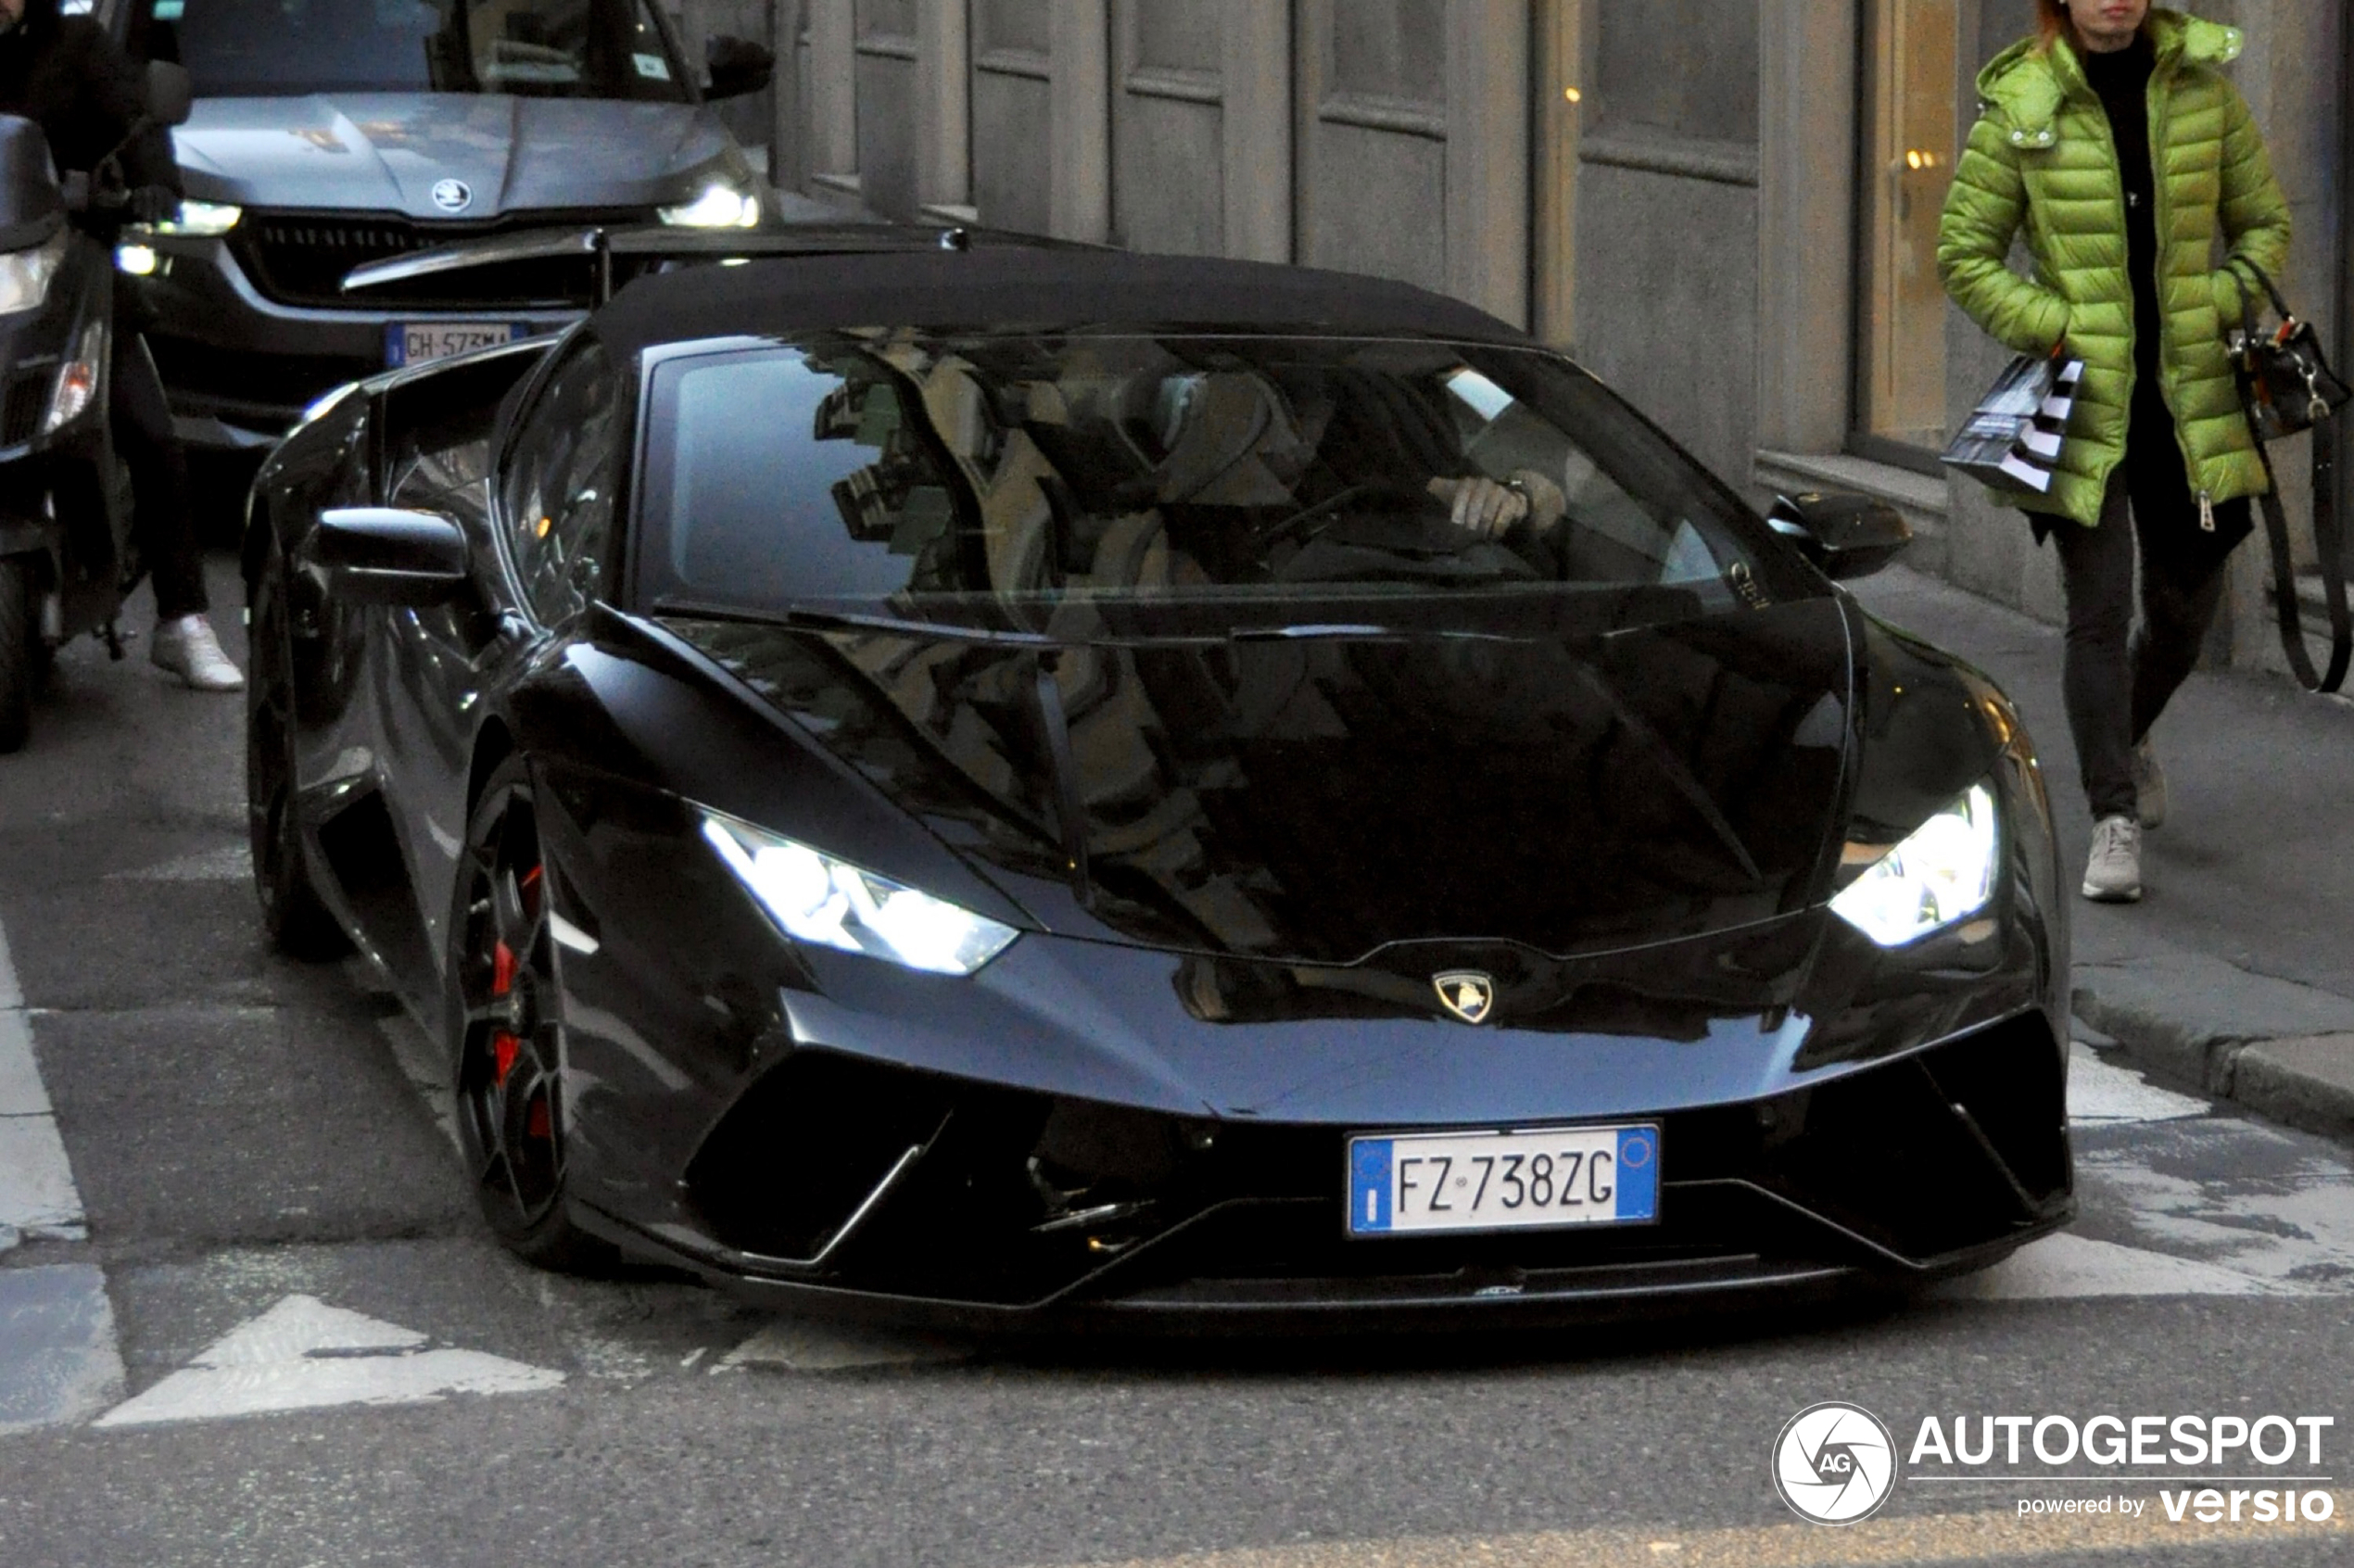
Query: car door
x,y
441,663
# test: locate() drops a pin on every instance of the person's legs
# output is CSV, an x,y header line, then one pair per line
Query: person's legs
x,y
2181,592
166,529
161,520
2096,570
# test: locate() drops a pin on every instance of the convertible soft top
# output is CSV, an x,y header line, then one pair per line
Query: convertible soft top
x,y
1014,285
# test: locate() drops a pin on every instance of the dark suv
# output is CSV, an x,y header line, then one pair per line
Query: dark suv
x,y
332,133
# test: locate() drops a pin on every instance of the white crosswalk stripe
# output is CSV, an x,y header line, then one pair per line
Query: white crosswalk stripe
x,y
58,1360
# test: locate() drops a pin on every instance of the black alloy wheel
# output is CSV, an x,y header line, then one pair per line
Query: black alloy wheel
x,y
293,916
19,654
509,1047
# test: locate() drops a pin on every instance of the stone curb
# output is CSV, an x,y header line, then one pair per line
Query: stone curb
x,y
2283,1050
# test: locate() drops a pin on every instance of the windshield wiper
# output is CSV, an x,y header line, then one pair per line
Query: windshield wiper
x,y
836,620
1306,631
845,621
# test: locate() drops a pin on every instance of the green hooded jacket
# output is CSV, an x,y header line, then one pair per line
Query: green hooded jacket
x,y
2042,157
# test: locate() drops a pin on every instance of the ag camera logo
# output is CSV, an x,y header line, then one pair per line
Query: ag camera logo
x,y
1835,1463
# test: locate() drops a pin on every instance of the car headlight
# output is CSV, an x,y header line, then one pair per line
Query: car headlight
x,y
817,898
197,218
719,207
1943,872
25,274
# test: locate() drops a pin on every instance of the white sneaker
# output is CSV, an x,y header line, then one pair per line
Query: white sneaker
x,y
2149,785
2113,875
187,648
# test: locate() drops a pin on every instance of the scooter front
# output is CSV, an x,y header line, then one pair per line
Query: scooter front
x,y
66,560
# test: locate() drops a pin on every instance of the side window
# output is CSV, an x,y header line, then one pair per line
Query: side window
x,y
557,497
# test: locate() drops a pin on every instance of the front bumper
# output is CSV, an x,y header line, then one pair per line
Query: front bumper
x,y
1020,1210
239,368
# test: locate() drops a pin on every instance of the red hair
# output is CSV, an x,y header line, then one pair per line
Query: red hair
x,y
2053,23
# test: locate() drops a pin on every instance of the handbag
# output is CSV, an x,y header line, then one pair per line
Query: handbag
x,y
2286,379
2286,385
2012,441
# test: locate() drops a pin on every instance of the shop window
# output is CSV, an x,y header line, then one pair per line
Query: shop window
x,y
1912,59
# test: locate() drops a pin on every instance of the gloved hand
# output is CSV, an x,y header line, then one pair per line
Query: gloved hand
x,y
153,204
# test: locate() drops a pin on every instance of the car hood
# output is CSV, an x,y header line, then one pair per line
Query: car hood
x,y
1320,801
387,151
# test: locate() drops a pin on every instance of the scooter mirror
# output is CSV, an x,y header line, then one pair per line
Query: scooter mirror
x,y
170,94
31,205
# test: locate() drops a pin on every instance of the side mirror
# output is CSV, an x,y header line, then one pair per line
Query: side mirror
x,y
1847,536
33,204
169,93
738,65
384,555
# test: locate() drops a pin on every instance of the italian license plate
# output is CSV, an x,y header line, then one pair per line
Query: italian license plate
x,y
1527,1179
414,343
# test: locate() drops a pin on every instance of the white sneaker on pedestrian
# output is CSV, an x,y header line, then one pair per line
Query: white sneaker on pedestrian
x,y
187,648
2149,785
2113,875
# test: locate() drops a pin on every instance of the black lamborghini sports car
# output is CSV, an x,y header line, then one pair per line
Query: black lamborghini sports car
x,y
1017,786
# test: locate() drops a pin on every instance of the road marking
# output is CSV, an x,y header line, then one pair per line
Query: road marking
x,y
58,1360
303,1354
1991,1537
2237,1193
37,1195
2100,1093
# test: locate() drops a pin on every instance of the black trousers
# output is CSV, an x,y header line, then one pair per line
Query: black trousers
x,y
2116,684
160,519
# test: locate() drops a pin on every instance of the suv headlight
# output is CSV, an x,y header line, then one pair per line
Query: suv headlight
x,y
25,274
817,898
201,218
719,207
1943,872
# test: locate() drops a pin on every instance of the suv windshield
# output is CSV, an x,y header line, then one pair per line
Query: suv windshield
x,y
544,48
1002,481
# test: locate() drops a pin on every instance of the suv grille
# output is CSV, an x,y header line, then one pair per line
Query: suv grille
x,y
302,259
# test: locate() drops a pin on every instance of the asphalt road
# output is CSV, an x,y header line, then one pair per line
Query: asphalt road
x,y
262,1326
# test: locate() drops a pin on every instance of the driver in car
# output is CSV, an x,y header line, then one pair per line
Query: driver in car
x,y
1236,438
69,76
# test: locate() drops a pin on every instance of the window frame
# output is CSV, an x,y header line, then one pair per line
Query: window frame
x,y
535,391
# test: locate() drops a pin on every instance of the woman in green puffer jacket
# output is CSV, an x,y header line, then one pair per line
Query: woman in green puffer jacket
x,y
2115,143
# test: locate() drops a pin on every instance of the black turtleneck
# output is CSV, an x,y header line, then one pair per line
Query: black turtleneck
x,y
2122,80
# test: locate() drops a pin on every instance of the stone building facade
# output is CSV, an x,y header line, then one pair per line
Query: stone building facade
x,y
1724,206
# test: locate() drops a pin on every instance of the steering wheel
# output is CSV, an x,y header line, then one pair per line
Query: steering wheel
x,y
1398,493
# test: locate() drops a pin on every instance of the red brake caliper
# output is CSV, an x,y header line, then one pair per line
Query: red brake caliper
x,y
504,1046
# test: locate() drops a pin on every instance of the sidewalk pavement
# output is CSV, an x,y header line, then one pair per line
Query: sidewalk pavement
x,y
2234,975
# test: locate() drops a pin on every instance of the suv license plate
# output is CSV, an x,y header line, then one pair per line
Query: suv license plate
x,y
1521,1179
415,343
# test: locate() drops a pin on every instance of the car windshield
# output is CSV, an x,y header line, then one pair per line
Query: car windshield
x,y
1025,482
544,48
